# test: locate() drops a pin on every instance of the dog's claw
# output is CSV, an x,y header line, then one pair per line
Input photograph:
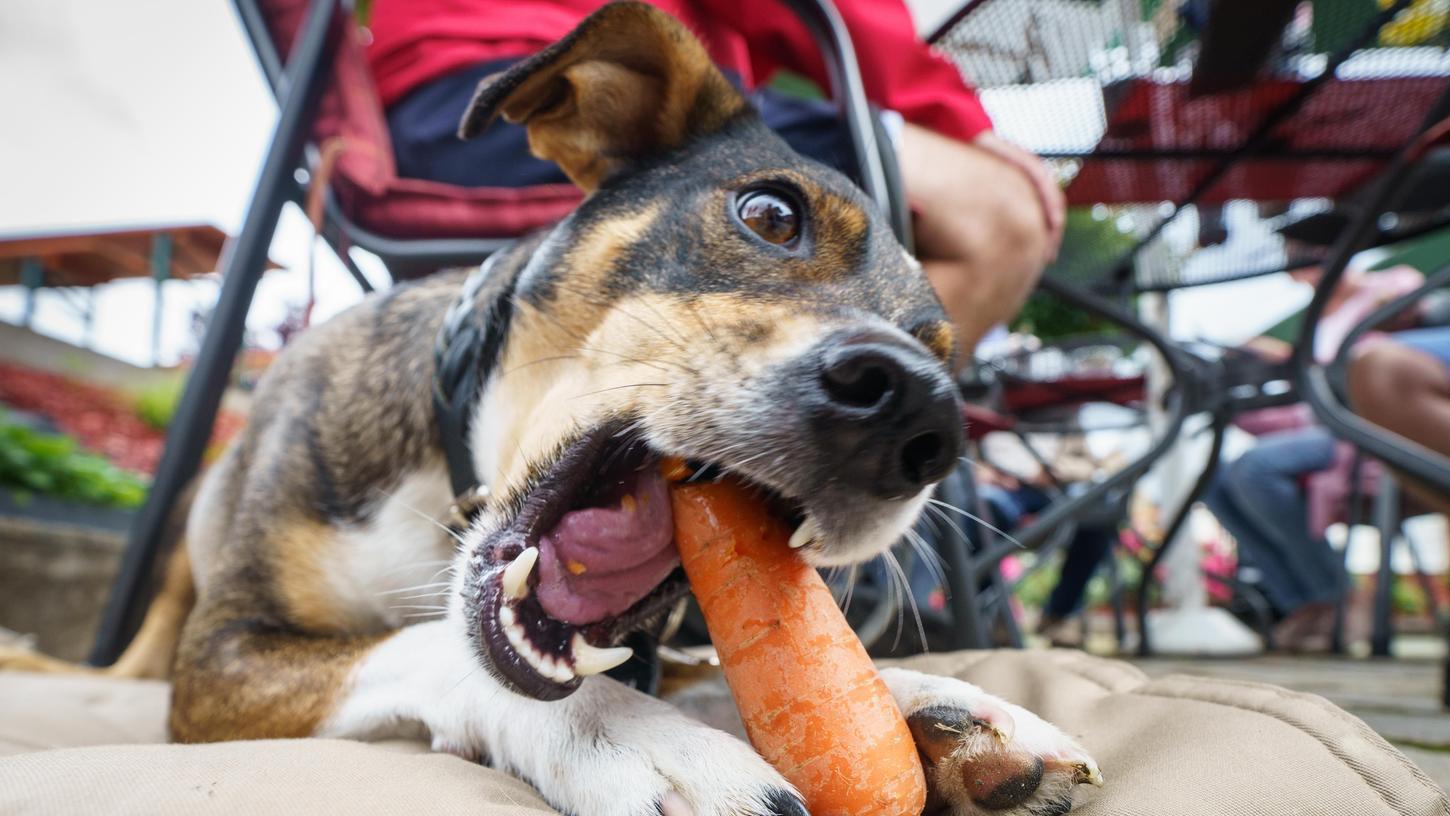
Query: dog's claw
x,y
516,574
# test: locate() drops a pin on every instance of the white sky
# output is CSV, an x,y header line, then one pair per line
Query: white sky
x,y
142,112
153,111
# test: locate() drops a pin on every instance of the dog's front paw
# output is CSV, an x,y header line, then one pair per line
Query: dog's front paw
x,y
986,756
684,770
625,754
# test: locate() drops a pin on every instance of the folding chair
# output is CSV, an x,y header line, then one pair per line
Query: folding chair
x,y
331,131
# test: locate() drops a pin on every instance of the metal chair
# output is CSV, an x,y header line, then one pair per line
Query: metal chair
x,y
1191,131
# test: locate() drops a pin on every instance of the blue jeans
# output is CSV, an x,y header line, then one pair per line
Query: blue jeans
x,y
424,126
1433,341
1089,548
1258,498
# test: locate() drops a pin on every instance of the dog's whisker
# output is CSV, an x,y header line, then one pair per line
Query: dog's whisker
x,y
392,495
620,388
422,595
900,574
948,520
552,359
978,519
928,557
851,576
447,563
583,344
930,552
465,676
621,310
423,615
433,585
893,594
695,313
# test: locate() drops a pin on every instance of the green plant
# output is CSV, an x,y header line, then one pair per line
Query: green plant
x,y
1091,244
52,465
156,405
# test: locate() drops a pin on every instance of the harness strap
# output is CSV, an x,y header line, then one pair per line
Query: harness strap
x,y
464,356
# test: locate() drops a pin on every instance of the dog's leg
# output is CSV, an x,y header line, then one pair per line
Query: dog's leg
x,y
985,755
606,750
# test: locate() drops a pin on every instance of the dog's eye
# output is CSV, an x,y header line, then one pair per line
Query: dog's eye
x,y
769,215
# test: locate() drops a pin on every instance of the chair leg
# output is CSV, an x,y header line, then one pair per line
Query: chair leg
x,y
1115,589
1011,628
1210,467
1427,584
1346,582
1386,518
242,266
964,595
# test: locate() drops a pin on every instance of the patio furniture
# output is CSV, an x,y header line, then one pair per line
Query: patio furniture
x,y
1325,118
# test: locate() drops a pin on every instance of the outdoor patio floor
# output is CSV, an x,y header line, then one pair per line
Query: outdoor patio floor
x,y
1399,698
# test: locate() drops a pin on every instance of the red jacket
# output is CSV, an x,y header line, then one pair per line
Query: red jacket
x,y
415,41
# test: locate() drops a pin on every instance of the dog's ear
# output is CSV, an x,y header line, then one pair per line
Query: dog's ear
x,y
628,82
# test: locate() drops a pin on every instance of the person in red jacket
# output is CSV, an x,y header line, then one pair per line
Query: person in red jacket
x,y
988,215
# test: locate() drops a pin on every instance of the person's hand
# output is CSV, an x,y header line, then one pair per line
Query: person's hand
x,y
1270,349
988,475
1049,193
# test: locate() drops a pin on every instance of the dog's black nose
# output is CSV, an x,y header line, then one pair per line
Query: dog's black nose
x,y
886,416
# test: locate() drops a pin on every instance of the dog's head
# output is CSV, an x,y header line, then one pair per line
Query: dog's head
x,y
717,298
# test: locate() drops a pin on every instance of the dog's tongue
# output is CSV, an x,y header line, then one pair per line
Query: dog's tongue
x,y
599,561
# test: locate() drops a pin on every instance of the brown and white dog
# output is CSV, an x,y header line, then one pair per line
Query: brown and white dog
x,y
716,298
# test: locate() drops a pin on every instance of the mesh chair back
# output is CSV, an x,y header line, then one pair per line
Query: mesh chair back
x,y
1149,107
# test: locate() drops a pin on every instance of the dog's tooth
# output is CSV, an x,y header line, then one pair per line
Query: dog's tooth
x,y
506,615
559,671
590,659
517,639
516,574
804,534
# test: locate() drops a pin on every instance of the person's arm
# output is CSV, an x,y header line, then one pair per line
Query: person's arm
x,y
899,72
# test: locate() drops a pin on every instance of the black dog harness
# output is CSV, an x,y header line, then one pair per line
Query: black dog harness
x,y
464,358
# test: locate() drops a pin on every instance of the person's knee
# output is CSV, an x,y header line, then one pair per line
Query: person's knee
x,y
1000,223
1381,372
1360,378
972,206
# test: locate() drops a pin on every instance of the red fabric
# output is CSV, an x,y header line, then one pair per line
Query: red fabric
x,y
365,177
1373,116
415,41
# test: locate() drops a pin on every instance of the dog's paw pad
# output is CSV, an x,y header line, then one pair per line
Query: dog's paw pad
x,y
978,762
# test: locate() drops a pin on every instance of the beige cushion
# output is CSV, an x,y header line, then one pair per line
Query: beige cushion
x,y
1176,746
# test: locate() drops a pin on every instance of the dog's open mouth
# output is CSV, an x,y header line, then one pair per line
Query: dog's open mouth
x,y
589,557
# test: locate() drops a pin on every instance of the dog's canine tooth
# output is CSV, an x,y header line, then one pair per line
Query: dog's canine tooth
x,y
590,659
516,574
804,534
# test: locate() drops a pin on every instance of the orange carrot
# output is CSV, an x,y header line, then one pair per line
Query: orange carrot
x,y
812,702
